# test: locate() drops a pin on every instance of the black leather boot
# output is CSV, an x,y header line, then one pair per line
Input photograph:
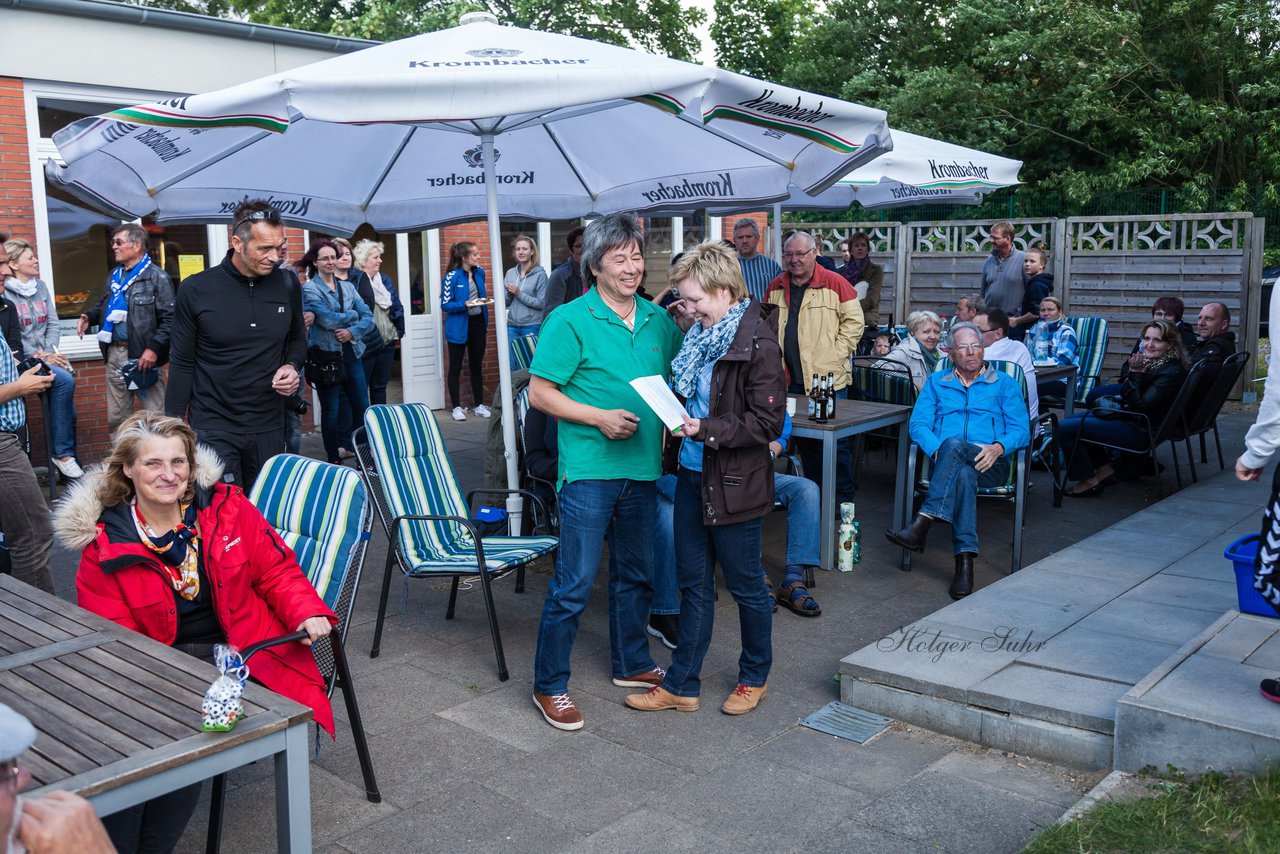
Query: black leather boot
x,y
913,536
962,584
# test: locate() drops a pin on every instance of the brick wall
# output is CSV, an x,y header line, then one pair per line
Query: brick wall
x,y
761,219
17,216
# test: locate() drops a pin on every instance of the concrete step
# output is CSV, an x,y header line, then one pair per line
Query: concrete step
x,y
1038,662
1200,709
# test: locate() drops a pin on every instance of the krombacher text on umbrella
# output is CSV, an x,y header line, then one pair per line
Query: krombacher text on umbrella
x,y
721,186
956,169
763,103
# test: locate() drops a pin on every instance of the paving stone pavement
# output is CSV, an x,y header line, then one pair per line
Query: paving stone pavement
x,y
465,763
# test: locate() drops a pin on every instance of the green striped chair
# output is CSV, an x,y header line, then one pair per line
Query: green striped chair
x,y
522,352
1013,489
322,512
1091,346
427,520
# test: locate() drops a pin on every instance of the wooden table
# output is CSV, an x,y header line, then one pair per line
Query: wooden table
x,y
1048,373
853,417
118,714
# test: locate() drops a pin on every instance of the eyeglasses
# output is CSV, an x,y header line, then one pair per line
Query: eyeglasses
x,y
121,242
967,348
270,215
790,255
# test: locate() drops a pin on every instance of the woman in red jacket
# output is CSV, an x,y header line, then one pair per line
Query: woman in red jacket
x,y
172,552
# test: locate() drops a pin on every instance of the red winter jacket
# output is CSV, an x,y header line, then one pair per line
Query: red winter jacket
x,y
258,589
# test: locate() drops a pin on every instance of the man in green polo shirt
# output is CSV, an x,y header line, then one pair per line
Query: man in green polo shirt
x,y
610,446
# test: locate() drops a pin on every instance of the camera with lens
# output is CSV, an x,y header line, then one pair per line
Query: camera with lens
x,y
31,362
296,404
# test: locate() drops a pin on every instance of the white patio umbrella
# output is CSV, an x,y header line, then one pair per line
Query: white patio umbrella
x,y
919,170
476,120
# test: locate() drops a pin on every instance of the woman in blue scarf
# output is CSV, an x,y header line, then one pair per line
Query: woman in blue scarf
x,y
730,372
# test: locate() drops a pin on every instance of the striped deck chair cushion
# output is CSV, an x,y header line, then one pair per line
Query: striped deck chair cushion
x,y
1009,488
318,509
522,352
417,478
1091,347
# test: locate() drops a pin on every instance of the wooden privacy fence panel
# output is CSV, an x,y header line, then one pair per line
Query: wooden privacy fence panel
x,y
885,238
1118,266
1111,266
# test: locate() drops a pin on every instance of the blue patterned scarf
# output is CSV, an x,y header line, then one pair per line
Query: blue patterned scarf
x,y
703,346
118,305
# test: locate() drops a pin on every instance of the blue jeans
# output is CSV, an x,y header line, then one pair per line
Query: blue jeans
x,y
803,501
666,599
737,547
953,495
331,427
62,410
810,451
514,332
1113,431
589,510
377,373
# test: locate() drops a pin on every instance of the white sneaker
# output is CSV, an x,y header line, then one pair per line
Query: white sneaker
x,y
69,467
459,414
482,411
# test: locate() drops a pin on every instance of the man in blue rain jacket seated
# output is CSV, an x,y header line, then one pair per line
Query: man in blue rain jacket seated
x,y
969,420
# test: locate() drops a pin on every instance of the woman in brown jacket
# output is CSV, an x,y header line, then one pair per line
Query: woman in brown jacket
x,y
730,373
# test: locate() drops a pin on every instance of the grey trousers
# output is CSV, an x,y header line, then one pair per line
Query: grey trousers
x,y
24,516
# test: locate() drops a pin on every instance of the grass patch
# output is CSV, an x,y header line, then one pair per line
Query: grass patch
x,y
1212,813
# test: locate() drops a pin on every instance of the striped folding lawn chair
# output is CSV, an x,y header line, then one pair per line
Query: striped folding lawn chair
x,y
322,512
427,520
1091,347
1015,486
522,352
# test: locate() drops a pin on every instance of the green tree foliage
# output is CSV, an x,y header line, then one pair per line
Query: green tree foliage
x,y
756,37
659,26
1092,95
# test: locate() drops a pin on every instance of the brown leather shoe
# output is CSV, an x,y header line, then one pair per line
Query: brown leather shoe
x,y
743,699
648,679
962,584
913,536
658,698
559,711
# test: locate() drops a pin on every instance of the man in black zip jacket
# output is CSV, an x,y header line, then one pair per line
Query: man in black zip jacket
x,y
237,345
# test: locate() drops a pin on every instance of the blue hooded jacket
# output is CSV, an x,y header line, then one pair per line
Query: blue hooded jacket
x,y
453,301
990,410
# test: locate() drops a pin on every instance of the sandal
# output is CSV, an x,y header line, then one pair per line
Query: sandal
x,y
795,598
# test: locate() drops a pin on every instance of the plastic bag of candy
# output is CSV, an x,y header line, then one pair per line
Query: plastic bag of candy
x,y
221,708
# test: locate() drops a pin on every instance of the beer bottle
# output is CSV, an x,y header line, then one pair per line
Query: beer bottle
x,y
822,400
831,395
813,398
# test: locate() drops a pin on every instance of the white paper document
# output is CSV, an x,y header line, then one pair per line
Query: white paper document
x,y
661,400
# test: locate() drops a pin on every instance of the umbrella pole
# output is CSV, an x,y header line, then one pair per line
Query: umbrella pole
x,y
514,502
777,232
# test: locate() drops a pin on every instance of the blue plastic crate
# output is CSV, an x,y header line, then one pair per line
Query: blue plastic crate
x,y
1242,553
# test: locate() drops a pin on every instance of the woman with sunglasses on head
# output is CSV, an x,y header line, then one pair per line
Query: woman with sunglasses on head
x,y
336,336
169,550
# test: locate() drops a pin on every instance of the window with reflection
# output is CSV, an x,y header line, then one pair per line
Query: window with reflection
x,y
80,258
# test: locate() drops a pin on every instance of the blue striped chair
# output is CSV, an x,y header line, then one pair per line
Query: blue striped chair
x,y
321,511
1091,346
522,352
427,520
1015,486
